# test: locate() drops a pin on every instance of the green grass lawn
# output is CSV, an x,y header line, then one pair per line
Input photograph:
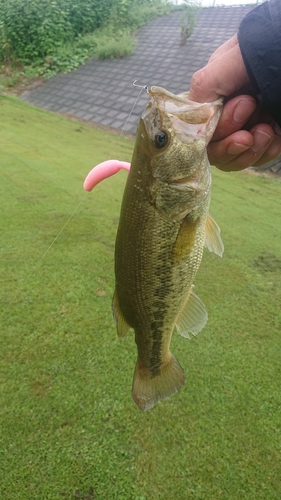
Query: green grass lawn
x,y
68,426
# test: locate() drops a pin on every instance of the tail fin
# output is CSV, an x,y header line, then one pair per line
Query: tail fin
x,y
147,390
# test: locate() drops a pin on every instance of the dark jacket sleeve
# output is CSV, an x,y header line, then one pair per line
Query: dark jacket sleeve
x,y
259,38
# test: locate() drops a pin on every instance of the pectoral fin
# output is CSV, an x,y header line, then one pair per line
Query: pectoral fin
x,y
193,317
122,325
185,238
213,239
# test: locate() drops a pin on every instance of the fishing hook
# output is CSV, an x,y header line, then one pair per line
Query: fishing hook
x,y
144,87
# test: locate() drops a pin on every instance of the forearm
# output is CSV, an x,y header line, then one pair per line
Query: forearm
x,y
259,39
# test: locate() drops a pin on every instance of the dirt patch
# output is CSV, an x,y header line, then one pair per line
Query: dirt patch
x,y
267,262
28,84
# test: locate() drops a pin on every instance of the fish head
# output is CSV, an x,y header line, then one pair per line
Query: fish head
x,y
176,132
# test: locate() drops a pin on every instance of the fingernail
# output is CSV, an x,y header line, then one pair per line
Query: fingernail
x,y
243,110
261,140
277,129
235,148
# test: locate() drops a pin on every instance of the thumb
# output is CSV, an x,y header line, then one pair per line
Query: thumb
x,y
223,76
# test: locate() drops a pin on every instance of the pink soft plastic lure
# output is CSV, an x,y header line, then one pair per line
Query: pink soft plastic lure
x,y
103,171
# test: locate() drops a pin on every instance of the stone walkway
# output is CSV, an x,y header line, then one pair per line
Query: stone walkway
x,y
102,92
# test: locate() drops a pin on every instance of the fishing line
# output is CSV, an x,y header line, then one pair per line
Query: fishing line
x,y
59,233
142,88
44,255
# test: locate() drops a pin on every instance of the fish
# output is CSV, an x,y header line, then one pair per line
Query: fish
x,y
163,227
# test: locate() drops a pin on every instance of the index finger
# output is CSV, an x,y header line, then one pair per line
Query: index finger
x,y
223,76
225,47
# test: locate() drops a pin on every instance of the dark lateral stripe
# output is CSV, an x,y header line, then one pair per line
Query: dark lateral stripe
x,y
156,348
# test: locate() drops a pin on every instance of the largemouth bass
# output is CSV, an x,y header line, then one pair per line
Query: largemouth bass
x,y
164,225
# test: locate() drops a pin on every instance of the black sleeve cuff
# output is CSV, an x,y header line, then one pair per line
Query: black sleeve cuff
x,y
259,38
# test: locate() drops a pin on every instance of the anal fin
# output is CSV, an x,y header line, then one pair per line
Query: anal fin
x,y
193,318
121,323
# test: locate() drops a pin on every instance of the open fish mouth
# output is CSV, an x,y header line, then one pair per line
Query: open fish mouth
x,y
177,100
190,120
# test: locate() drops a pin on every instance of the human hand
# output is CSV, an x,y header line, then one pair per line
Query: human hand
x,y
246,134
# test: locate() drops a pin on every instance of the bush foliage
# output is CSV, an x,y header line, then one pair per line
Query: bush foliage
x,y
33,30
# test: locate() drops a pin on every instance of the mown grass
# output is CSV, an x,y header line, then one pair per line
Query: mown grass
x,y
69,428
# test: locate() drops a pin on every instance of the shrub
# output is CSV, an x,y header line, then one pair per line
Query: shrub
x,y
32,29
49,33
188,19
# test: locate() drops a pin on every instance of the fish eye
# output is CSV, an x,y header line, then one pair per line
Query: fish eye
x,y
160,139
